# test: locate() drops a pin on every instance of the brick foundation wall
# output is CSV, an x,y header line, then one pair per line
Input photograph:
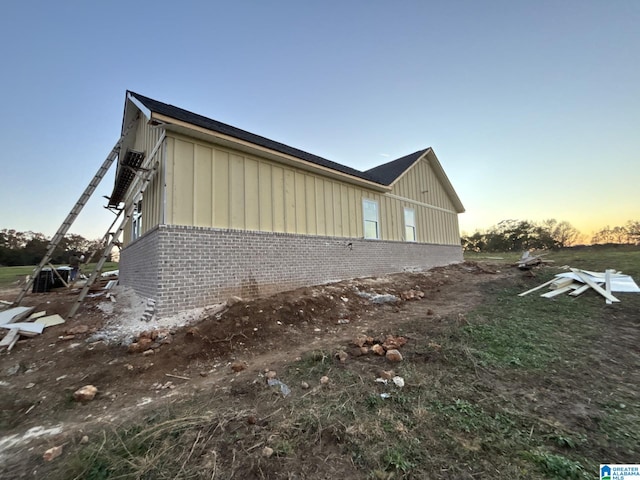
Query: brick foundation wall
x,y
196,266
139,264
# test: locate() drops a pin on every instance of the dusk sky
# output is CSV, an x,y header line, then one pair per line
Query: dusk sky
x,y
533,108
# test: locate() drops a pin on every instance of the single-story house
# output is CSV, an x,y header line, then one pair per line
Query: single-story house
x,y
230,213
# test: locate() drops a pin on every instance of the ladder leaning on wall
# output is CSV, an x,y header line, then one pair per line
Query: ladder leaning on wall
x,y
143,176
75,211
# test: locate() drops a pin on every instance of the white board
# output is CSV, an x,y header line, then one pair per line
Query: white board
x,y
25,327
7,316
50,320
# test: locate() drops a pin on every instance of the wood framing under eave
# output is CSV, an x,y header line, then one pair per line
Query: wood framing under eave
x,y
431,157
289,159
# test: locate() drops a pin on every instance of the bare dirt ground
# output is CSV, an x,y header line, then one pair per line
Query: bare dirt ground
x,y
225,351
39,376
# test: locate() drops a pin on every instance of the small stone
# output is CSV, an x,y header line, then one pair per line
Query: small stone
x,y
84,439
378,349
304,385
386,374
238,366
145,334
394,355
252,419
267,452
360,340
52,453
140,346
342,356
129,367
364,350
392,342
77,330
85,394
399,381
204,374
146,353
324,380
270,374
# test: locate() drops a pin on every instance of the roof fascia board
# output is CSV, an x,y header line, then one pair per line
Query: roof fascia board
x,y
289,159
145,111
431,157
439,171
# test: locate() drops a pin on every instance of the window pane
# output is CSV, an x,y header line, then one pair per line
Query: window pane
x,y
370,214
409,217
410,234
370,210
370,229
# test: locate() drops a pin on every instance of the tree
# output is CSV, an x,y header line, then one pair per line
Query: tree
x,y
564,234
633,231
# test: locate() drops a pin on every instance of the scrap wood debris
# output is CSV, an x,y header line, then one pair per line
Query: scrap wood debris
x,y
528,260
22,322
576,282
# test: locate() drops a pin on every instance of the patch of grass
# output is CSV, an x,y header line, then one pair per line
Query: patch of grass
x,y
558,466
529,332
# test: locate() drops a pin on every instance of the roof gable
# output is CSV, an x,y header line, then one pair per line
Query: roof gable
x,y
384,175
389,172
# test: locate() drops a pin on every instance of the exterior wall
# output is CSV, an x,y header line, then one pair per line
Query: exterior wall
x,y
212,186
146,138
436,216
139,264
196,266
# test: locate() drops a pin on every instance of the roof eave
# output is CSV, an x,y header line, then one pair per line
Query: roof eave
x,y
179,126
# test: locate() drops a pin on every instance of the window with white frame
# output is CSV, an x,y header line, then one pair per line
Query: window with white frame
x,y
370,215
136,222
409,225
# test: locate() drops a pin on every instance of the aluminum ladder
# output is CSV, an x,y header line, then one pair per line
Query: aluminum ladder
x,y
75,211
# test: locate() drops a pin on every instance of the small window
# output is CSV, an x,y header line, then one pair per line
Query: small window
x,y
370,210
409,225
137,221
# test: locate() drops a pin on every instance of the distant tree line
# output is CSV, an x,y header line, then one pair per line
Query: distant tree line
x,y
520,235
28,248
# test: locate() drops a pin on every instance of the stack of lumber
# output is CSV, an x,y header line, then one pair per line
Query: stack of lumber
x,y
576,282
528,260
22,322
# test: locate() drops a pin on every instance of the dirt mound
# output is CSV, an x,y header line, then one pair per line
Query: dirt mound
x,y
39,377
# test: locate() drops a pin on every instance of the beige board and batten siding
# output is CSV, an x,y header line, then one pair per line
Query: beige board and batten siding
x,y
146,138
436,217
212,186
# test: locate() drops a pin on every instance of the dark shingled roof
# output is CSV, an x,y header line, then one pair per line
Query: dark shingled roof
x,y
214,125
388,172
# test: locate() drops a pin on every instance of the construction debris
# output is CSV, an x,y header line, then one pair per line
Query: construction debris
x,y
529,260
15,314
576,282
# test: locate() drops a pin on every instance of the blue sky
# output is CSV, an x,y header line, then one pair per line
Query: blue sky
x,y
533,108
